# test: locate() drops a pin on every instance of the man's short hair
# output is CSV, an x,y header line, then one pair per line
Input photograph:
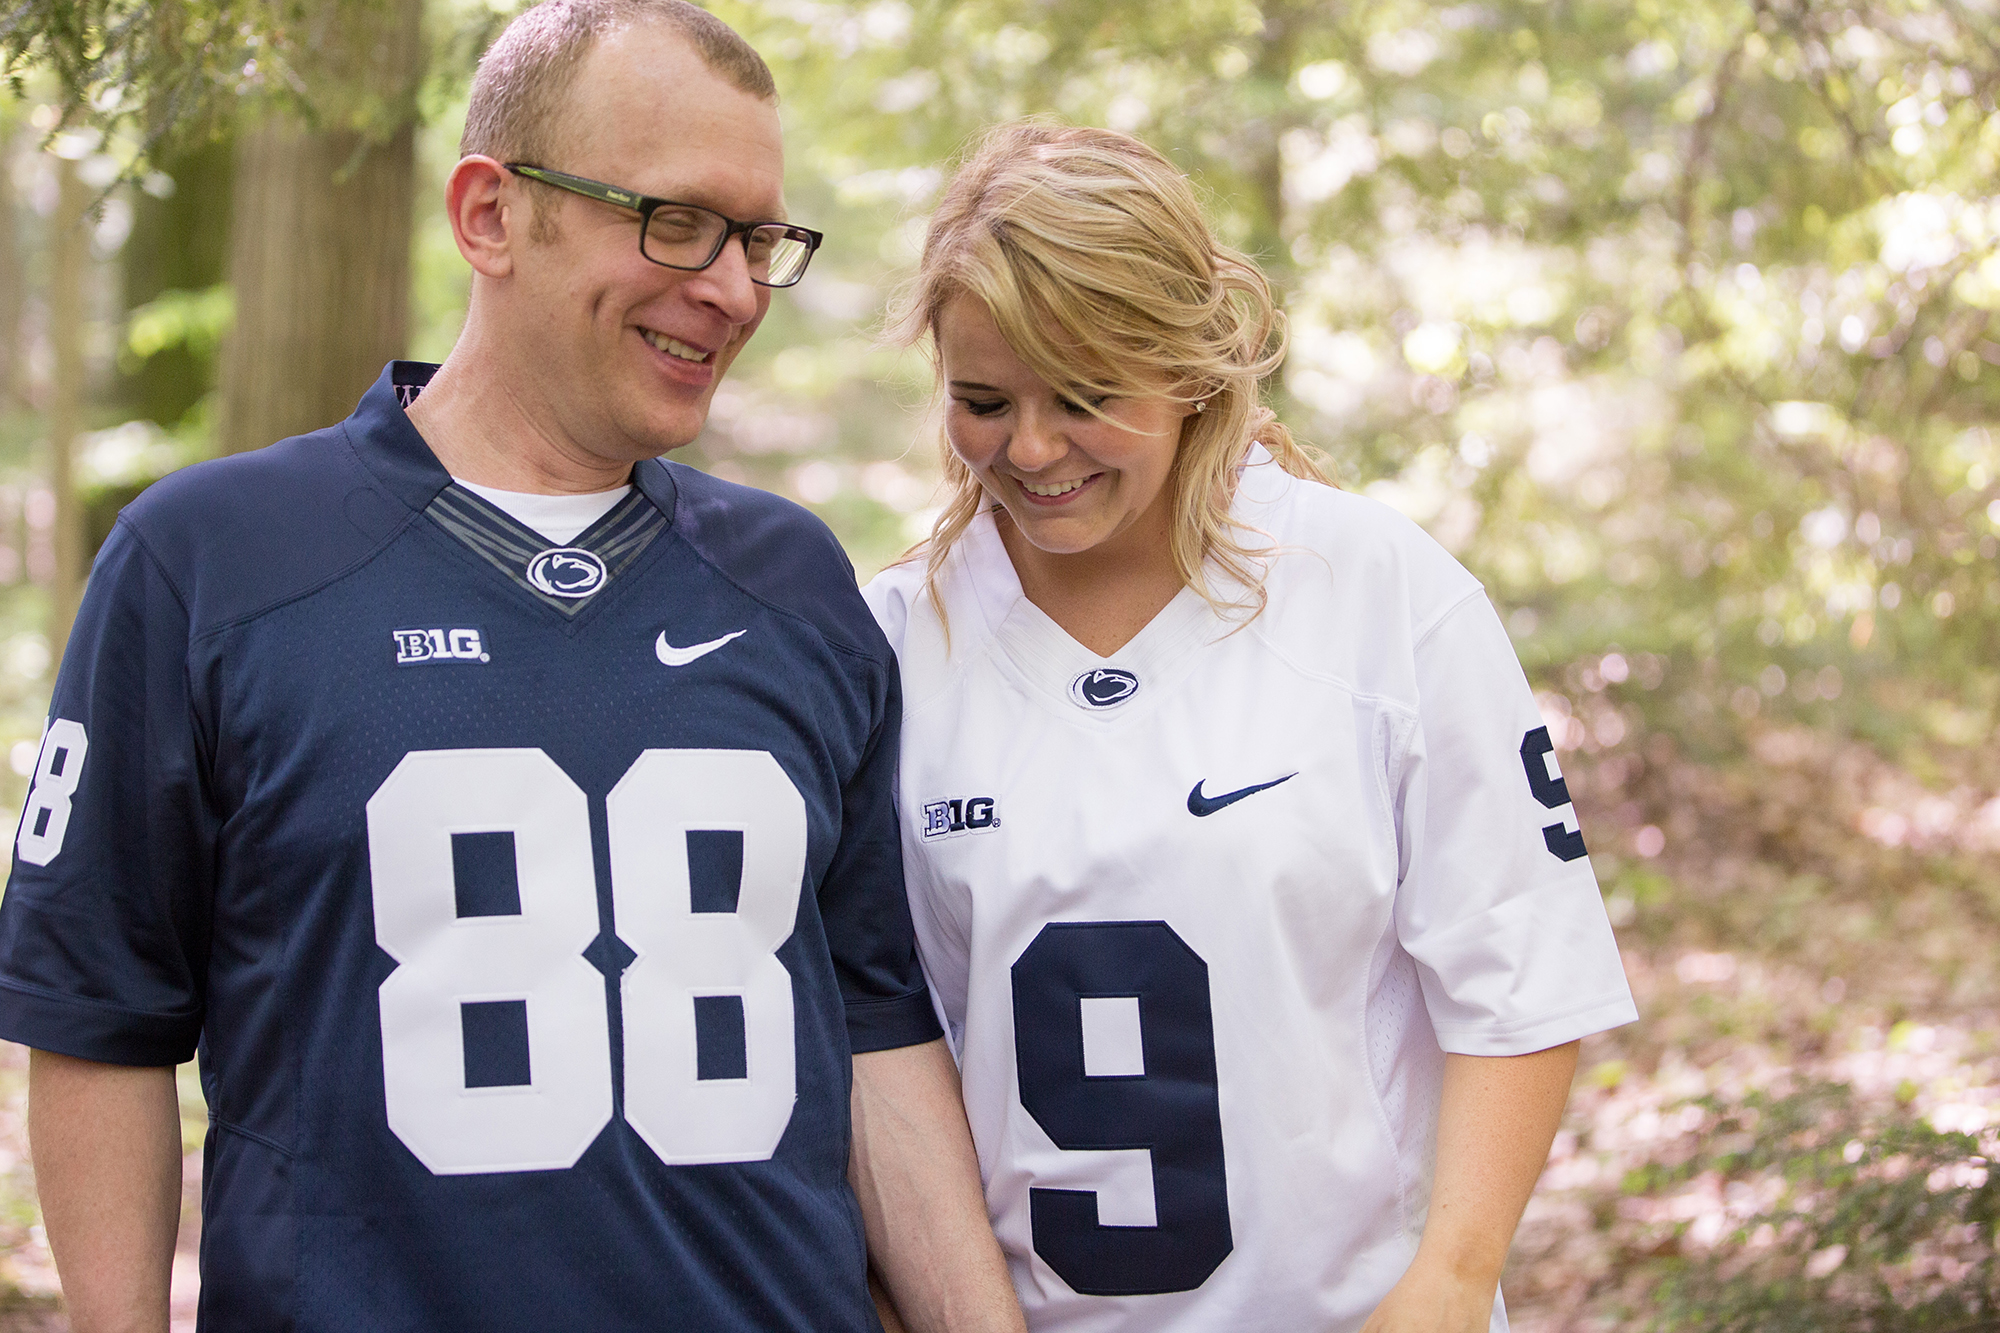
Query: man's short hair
x,y
523,84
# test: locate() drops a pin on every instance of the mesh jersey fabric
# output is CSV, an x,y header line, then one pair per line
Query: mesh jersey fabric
x,y
1204,916
525,957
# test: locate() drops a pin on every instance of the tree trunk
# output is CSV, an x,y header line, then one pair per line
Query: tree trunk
x,y
1271,235
1276,62
320,237
176,246
13,282
68,259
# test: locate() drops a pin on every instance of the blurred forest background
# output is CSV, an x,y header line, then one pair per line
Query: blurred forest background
x,y
1674,319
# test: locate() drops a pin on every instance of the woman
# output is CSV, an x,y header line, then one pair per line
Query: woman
x,y
1238,857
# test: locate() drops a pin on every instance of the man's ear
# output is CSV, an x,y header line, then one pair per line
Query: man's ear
x,y
488,220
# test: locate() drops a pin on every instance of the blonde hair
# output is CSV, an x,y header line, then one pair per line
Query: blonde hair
x,y
1091,252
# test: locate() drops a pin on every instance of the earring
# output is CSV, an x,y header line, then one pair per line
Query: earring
x,y
1201,406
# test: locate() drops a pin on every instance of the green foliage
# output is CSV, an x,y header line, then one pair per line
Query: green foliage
x,y
163,67
193,320
169,75
1672,320
1872,1225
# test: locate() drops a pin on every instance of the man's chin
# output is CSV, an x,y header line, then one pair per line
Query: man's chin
x,y
657,439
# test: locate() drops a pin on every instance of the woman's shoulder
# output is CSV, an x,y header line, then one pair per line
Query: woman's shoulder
x,y
1372,550
891,593
936,620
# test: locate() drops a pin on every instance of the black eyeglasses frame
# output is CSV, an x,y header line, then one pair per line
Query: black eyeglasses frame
x,y
645,205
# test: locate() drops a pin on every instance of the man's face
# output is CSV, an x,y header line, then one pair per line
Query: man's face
x,y
622,353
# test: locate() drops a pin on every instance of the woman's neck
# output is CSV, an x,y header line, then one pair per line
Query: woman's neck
x,y
1104,596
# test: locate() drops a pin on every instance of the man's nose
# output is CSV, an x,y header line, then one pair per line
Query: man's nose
x,y
725,283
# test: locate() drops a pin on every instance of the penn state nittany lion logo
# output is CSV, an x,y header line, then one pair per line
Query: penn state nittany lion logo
x,y
567,571
1104,687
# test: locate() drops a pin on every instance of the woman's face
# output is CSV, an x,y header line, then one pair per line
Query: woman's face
x,y
1070,481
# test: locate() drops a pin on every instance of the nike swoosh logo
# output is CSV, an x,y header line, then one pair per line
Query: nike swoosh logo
x,y
673,656
1200,806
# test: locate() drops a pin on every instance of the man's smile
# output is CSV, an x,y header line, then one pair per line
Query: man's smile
x,y
675,347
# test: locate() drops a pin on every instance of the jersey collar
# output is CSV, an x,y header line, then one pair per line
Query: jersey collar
x,y
1044,660
1047,662
393,449
389,444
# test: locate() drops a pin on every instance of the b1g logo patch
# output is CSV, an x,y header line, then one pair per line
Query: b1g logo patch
x,y
567,571
416,646
1104,687
949,819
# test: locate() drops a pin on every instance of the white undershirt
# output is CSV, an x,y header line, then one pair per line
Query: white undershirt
x,y
560,518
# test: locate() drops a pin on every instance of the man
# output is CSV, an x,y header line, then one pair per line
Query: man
x,y
506,812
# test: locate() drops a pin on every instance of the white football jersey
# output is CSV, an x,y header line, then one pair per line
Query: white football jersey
x,y
1203,916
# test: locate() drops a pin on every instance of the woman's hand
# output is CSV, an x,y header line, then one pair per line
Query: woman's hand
x,y
1428,1301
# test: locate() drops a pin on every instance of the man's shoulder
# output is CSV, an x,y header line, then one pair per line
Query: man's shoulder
x,y
723,511
775,550
243,532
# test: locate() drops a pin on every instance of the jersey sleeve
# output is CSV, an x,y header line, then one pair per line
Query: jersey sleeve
x,y
1497,901
104,926
865,907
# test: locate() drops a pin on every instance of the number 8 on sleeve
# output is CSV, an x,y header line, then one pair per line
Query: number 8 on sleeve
x,y
58,768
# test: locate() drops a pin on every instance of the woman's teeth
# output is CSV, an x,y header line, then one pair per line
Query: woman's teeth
x,y
674,347
1051,492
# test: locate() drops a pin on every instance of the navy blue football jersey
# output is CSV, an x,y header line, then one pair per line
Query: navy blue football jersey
x,y
526,902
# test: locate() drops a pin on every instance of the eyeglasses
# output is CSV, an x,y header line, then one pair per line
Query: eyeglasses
x,y
689,237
